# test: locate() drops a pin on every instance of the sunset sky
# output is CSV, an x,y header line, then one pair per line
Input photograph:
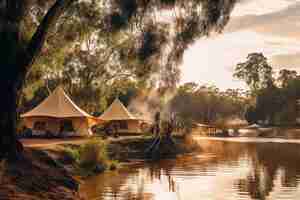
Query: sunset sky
x,y
268,26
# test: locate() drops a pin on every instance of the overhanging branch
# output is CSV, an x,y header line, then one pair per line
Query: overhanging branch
x,y
38,39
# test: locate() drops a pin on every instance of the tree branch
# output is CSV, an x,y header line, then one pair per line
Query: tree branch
x,y
38,39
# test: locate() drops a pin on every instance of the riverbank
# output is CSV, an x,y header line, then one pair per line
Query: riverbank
x,y
116,153
48,171
36,176
271,132
260,169
131,149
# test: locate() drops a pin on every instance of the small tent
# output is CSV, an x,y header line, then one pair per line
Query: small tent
x,y
59,116
118,114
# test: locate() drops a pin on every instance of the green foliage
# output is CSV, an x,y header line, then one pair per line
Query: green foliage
x,y
285,76
73,154
206,104
97,46
90,156
255,71
275,101
250,115
269,101
93,153
113,165
98,38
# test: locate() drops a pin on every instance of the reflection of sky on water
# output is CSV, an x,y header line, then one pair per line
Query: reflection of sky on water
x,y
224,170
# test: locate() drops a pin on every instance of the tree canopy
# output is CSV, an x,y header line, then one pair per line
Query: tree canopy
x,y
255,71
207,104
148,37
95,44
36,32
275,95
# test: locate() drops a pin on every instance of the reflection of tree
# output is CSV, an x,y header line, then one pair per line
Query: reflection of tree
x,y
115,186
163,171
257,185
269,162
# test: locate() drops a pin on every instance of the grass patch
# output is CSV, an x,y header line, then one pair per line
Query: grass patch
x,y
72,154
93,153
113,165
90,158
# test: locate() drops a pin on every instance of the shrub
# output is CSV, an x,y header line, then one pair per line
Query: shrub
x,y
72,154
113,165
90,158
93,153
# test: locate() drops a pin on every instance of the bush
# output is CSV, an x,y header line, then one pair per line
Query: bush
x,y
93,153
72,154
91,157
113,165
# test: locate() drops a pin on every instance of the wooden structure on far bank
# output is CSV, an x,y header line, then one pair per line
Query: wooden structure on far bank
x,y
205,129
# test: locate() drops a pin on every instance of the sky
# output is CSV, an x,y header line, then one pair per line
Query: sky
x,y
268,26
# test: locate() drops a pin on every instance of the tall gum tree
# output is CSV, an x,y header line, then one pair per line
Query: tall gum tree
x,y
157,45
16,60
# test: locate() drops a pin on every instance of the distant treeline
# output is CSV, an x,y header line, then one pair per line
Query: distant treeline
x,y
207,104
274,95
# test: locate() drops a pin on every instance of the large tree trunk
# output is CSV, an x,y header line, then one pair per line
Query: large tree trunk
x,y
9,146
9,77
16,59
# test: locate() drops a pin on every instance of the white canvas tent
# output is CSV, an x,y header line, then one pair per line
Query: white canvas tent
x,y
117,112
59,115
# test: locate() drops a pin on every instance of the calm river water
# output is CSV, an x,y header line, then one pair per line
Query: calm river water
x,y
224,169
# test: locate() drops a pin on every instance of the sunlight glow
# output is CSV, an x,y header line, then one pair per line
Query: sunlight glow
x,y
260,7
212,60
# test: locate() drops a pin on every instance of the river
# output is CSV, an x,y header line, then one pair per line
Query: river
x,y
224,169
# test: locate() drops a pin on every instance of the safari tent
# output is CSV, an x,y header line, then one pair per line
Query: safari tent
x,y
118,114
58,115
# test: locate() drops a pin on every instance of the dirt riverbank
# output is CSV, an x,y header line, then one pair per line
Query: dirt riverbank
x,y
45,172
36,176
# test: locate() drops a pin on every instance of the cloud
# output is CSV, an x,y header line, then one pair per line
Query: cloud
x,y
212,60
287,61
260,7
268,26
284,22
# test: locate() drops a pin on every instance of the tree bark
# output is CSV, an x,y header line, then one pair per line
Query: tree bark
x,y
15,61
11,12
10,147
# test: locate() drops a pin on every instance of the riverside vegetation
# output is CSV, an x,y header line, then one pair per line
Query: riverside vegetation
x,y
98,155
90,158
56,172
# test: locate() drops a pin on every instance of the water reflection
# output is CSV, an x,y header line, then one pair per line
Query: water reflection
x,y
222,170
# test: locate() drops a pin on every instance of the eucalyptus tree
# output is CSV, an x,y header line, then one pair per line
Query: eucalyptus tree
x,y
255,71
285,76
207,104
25,31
